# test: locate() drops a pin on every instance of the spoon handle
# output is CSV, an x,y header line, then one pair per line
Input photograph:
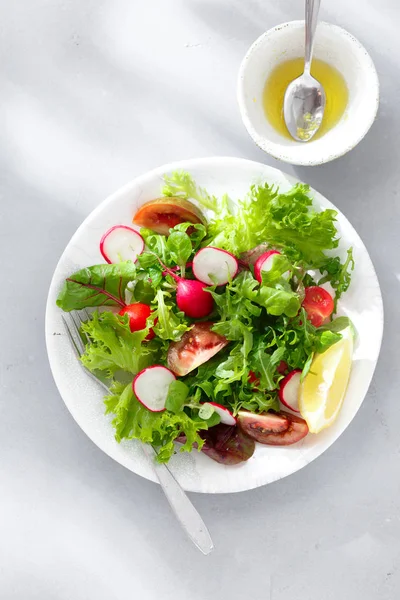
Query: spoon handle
x,y
312,10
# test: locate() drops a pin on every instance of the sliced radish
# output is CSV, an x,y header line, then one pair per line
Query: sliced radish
x,y
214,266
151,387
289,390
226,415
121,243
265,263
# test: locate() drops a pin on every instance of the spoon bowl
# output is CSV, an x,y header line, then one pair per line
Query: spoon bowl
x,y
303,107
304,102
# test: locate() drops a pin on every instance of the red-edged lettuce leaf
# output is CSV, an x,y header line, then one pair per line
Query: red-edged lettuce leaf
x,y
100,285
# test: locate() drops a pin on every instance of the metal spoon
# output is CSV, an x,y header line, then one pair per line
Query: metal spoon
x,y
304,102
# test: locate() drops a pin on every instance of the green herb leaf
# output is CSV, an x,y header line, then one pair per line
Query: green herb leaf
x,y
337,325
177,394
171,324
326,339
179,247
278,301
338,274
197,232
265,365
155,243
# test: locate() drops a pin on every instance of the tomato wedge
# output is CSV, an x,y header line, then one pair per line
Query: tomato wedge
x,y
318,304
161,214
138,314
196,347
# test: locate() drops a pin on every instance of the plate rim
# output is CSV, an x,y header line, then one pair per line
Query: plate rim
x,y
187,164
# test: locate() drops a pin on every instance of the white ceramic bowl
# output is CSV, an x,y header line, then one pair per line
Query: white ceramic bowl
x,y
333,45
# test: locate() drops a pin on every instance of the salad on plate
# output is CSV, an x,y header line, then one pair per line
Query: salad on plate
x,y
213,322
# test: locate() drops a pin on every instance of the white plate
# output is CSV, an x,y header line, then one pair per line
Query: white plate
x,y
196,472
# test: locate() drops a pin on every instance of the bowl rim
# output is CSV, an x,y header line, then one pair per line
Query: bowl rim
x,y
275,149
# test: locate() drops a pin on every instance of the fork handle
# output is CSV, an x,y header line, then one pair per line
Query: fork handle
x,y
184,510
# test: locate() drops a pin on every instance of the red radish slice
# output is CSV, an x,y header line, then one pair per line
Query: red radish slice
x,y
226,415
151,387
289,390
214,266
121,243
264,263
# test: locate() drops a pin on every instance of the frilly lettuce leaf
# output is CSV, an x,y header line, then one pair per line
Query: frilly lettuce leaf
x,y
285,220
114,347
133,420
172,323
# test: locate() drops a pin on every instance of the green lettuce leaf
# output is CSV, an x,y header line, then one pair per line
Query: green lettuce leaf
x,y
178,391
179,247
280,266
100,285
181,185
285,220
133,421
114,347
338,274
264,364
171,323
243,298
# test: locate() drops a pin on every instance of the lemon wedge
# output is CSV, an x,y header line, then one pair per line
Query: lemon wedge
x,y
322,391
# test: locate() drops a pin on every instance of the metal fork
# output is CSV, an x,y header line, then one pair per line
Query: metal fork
x,y
184,510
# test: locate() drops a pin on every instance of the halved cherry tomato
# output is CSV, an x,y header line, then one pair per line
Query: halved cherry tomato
x,y
162,214
196,347
318,304
273,429
138,314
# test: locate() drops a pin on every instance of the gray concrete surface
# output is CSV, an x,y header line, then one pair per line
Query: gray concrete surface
x,y
92,93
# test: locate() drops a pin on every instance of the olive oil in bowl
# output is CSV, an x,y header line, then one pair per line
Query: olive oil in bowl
x,y
332,81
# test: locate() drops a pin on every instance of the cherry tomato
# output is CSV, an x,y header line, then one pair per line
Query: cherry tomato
x,y
138,315
318,304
